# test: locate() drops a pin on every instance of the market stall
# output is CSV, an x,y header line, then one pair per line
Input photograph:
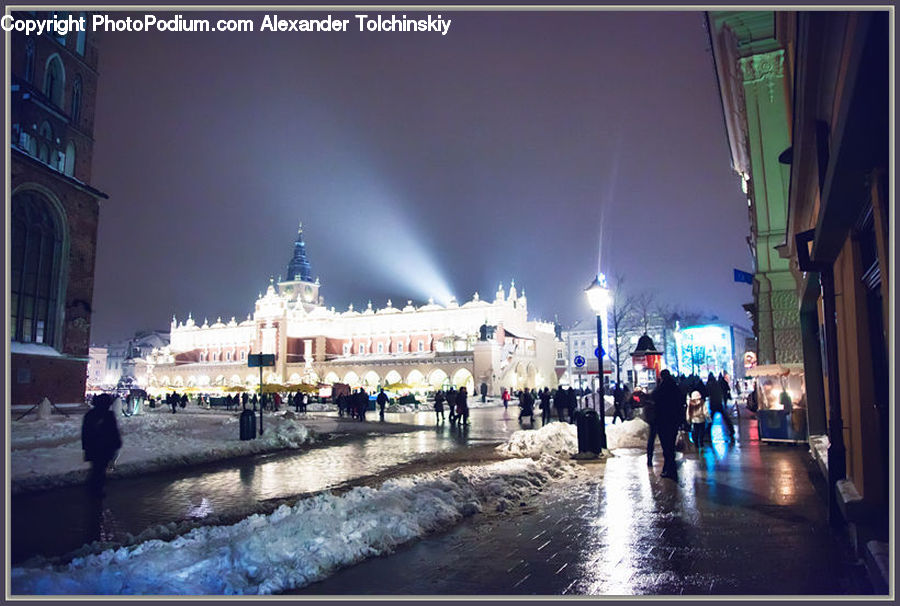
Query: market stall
x,y
780,394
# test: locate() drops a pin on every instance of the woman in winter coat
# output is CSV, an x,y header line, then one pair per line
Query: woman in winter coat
x,y
439,406
697,417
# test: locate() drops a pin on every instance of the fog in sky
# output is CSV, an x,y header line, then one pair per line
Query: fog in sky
x,y
521,145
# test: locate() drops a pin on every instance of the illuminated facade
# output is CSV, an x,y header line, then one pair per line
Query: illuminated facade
x,y
425,347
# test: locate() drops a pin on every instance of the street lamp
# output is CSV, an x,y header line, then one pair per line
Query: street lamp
x,y
598,298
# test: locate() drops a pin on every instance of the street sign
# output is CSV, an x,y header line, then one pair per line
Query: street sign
x,y
742,276
579,361
254,360
599,352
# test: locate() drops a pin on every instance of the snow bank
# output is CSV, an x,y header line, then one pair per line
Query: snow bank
x,y
630,434
561,439
150,443
296,545
553,439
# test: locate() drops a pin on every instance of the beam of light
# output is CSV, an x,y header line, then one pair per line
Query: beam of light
x,y
607,202
384,242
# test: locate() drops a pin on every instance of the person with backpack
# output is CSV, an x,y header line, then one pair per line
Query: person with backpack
x,y
100,440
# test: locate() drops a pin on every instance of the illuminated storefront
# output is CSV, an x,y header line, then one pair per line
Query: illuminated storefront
x,y
705,349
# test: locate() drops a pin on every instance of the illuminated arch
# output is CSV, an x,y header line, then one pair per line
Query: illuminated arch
x,y
202,381
164,380
371,379
392,377
192,381
235,380
332,378
415,377
531,376
437,378
311,377
352,379
273,378
294,379
252,379
463,378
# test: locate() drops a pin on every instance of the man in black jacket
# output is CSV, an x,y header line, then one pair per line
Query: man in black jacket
x,y
667,403
100,440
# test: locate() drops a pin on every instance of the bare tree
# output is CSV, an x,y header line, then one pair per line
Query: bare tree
x,y
621,314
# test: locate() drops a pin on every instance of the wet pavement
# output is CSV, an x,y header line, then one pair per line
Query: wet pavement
x,y
741,520
234,488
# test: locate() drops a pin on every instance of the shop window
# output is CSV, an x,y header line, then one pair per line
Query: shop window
x,y
36,247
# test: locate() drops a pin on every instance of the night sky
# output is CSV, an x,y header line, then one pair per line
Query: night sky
x,y
419,164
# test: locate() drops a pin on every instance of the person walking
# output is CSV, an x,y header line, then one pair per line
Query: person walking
x,y
462,407
545,406
439,406
618,394
382,401
505,398
668,402
716,405
559,403
484,390
571,403
362,403
696,416
451,403
100,440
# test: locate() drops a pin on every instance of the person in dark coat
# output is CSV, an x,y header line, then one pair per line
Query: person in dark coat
x,y
526,402
100,440
571,403
484,390
560,403
668,405
451,403
439,406
716,404
382,401
618,395
545,406
462,407
362,403
184,400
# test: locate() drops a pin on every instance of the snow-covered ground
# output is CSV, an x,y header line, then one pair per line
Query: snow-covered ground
x,y
561,439
47,453
299,544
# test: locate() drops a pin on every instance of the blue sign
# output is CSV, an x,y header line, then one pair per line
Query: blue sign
x,y
742,276
579,361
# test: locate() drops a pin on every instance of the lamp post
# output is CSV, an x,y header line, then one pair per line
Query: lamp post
x,y
598,298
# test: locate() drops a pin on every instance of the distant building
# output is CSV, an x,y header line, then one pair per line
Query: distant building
x,y
122,364
54,213
426,347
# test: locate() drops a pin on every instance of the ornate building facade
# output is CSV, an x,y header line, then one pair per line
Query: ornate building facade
x,y
426,347
53,212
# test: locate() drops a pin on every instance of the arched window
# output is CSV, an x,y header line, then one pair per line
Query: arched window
x,y
203,356
29,60
54,80
35,269
399,347
381,348
81,36
76,99
243,356
45,144
228,356
69,167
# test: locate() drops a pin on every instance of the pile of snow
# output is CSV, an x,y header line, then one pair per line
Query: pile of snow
x,y
296,545
562,439
321,407
553,439
150,443
630,434
403,408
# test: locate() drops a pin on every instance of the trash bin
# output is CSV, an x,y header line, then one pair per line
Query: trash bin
x,y
590,437
248,425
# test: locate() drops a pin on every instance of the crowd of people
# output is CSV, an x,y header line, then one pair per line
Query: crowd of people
x,y
686,403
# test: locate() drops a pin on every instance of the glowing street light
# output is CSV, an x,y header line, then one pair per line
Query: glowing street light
x,y
598,298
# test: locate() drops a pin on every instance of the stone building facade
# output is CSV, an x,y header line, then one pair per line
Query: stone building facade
x,y
54,211
426,347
